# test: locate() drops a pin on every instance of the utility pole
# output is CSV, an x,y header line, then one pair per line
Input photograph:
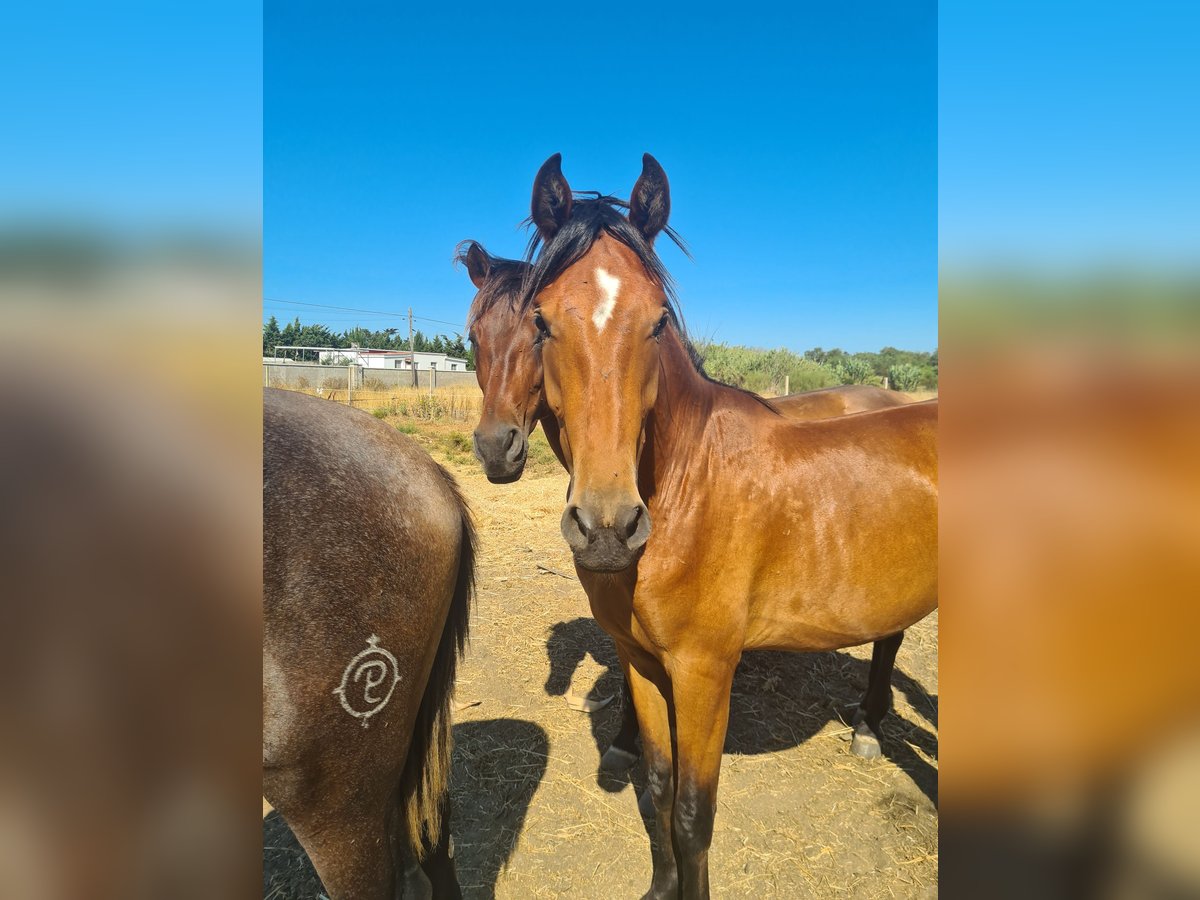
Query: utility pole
x,y
412,357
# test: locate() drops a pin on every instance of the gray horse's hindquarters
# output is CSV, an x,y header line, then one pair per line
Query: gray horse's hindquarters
x,y
367,573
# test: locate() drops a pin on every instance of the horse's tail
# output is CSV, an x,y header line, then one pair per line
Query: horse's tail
x,y
427,769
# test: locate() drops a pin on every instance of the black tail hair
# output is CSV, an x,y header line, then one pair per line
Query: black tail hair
x,y
423,784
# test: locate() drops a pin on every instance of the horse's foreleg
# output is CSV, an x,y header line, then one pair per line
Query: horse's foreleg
x,y
700,688
877,700
654,718
623,752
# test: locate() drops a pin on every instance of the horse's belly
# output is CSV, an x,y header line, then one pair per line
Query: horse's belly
x,y
835,617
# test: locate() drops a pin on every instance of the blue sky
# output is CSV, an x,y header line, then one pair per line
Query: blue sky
x,y
1069,134
132,117
801,145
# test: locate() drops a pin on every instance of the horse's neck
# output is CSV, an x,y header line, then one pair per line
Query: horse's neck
x,y
685,401
682,435
553,437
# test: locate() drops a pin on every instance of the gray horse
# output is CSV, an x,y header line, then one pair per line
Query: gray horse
x,y
368,575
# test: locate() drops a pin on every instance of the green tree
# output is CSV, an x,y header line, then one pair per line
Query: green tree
x,y
271,336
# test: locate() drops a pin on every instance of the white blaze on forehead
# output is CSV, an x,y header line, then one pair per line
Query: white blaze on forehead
x,y
608,299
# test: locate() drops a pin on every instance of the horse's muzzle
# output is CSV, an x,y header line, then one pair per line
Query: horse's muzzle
x,y
502,452
606,543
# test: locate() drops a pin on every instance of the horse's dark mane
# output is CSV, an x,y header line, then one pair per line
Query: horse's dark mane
x,y
504,280
594,214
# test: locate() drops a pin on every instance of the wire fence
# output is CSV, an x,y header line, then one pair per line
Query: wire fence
x,y
437,395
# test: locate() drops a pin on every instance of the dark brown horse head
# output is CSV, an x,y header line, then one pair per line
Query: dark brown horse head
x,y
601,300
505,364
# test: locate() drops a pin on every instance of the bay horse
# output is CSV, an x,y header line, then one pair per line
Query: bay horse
x,y
368,576
702,522
509,371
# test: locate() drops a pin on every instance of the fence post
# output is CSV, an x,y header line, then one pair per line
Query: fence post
x,y
350,385
787,385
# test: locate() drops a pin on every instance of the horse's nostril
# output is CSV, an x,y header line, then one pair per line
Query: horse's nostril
x,y
584,521
637,527
577,527
631,522
514,451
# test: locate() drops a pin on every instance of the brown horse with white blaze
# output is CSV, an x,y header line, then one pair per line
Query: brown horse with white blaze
x,y
368,573
703,522
509,370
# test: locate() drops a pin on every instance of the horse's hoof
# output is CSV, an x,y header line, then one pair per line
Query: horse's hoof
x,y
646,804
857,719
865,744
616,760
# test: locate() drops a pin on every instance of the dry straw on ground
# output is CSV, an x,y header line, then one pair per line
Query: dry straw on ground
x,y
798,815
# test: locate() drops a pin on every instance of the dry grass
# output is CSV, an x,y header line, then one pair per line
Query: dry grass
x,y
462,403
798,815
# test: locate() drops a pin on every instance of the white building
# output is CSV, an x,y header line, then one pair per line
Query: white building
x,y
393,359
443,362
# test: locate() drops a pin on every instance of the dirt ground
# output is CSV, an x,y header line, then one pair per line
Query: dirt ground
x,y
798,816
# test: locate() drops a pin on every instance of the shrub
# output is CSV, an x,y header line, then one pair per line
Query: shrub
x,y
905,377
762,371
853,371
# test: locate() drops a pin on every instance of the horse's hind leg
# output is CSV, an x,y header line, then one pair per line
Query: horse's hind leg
x,y
877,700
353,853
438,864
623,752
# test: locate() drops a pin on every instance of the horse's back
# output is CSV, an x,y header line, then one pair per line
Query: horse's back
x,y
907,432
837,401
340,459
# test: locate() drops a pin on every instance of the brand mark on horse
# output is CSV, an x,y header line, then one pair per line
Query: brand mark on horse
x,y
368,681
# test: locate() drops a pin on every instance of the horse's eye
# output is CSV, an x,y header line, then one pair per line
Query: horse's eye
x,y
542,327
662,323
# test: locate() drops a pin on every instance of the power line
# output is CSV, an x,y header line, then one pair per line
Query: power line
x,y
373,312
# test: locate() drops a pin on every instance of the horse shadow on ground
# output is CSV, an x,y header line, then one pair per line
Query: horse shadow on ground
x,y
779,700
497,767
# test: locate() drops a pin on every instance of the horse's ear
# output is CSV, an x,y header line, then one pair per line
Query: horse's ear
x,y
551,204
650,202
479,264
